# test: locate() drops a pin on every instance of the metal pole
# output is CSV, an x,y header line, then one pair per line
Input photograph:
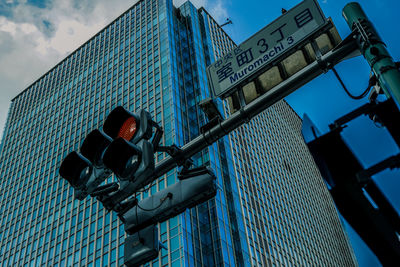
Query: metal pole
x,y
257,106
374,50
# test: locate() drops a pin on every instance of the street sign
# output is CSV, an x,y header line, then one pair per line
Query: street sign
x,y
265,47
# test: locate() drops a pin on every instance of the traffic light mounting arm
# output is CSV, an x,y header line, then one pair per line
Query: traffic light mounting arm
x,y
174,151
157,136
177,154
341,52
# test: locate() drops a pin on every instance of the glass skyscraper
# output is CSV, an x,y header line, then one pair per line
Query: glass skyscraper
x,y
272,207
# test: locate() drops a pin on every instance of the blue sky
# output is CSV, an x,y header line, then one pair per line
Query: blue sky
x,y
324,100
36,34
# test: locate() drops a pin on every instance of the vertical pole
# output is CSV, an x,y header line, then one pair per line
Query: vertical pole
x,y
374,50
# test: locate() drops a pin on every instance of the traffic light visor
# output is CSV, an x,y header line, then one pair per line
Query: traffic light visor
x,y
76,169
121,123
94,145
122,157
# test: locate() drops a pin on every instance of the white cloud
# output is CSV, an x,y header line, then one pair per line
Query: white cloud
x,y
6,26
69,35
20,60
29,47
218,11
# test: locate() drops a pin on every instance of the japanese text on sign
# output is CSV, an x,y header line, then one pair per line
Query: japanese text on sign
x,y
266,45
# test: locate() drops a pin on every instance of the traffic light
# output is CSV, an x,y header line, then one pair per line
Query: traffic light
x,y
141,247
127,125
130,156
130,162
195,188
85,171
361,203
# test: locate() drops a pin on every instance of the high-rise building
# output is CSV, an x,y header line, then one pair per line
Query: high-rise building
x,y
272,208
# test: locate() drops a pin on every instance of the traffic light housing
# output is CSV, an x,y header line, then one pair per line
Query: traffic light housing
x,y
141,247
123,147
127,125
85,171
171,201
76,169
377,223
94,146
130,155
130,162
123,158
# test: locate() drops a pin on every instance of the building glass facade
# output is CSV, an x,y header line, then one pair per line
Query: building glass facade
x,y
272,207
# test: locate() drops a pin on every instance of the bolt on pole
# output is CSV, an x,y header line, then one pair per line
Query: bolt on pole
x,y
374,50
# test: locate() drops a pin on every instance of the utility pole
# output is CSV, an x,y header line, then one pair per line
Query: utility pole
x,y
374,50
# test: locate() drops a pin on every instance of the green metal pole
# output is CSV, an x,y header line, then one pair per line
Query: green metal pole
x,y
374,51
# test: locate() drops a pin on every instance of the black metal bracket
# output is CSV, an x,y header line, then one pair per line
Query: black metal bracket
x,y
177,154
157,136
387,68
122,207
186,173
366,33
378,57
174,151
385,113
211,124
318,56
364,109
364,176
105,189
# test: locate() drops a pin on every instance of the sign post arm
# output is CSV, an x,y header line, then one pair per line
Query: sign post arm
x,y
259,105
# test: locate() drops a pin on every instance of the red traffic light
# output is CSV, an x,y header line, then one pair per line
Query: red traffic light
x,y
121,123
128,129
